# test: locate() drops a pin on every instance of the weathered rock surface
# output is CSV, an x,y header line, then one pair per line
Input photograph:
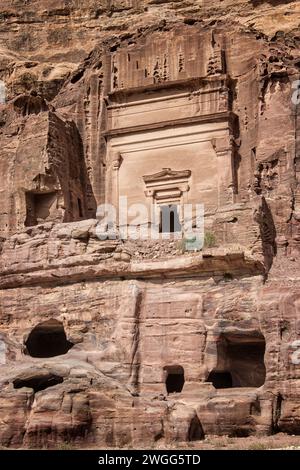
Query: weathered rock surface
x,y
121,342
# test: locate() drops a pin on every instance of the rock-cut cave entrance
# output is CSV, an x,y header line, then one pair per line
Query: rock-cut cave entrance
x,y
39,207
195,430
48,339
174,379
220,379
240,361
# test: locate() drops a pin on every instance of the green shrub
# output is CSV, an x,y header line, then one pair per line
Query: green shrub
x,y
258,446
209,240
65,446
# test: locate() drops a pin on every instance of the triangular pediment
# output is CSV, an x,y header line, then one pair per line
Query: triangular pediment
x,y
167,174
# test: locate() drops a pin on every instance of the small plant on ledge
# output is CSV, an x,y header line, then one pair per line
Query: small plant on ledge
x,y
209,240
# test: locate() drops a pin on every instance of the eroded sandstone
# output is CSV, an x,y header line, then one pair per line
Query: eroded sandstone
x,y
127,342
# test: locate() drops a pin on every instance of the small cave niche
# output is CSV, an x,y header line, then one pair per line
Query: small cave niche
x,y
48,339
228,277
196,432
80,209
40,207
220,379
39,382
174,379
240,361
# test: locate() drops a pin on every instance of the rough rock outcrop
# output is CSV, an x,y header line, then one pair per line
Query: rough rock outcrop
x,y
124,342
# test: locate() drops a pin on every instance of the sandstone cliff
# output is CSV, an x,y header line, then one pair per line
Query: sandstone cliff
x,y
121,342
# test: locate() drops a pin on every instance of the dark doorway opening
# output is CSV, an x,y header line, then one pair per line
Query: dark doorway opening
x,y
240,361
40,207
39,383
48,339
80,210
195,430
174,379
220,379
169,219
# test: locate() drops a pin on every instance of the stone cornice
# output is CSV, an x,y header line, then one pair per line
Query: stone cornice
x,y
209,118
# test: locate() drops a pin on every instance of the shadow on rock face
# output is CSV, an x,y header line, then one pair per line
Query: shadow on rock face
x,y
39,382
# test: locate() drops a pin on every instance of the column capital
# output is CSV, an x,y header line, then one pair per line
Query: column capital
x,y
117,161
222,145
184,188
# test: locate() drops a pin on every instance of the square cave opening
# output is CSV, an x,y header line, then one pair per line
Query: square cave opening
x,y
39,207
174,379
240,362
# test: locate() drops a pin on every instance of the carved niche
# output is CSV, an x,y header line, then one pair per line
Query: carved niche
x,y
44,201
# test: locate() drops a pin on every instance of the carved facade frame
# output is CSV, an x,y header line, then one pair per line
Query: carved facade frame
x,y
168,187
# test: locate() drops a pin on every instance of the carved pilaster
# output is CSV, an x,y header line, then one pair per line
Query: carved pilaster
x,y
115,166
224,148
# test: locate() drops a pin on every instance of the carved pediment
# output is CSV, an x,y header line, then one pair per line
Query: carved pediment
x,y
167,174
167,185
